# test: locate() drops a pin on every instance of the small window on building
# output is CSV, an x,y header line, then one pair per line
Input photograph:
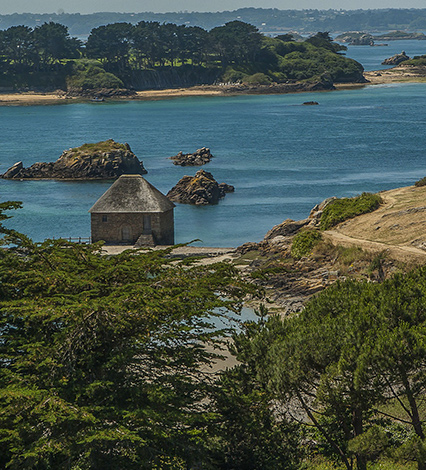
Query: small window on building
x,y
104,218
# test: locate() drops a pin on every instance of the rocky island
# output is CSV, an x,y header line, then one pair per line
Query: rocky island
x,y
198,158
101,160
201,189
396,59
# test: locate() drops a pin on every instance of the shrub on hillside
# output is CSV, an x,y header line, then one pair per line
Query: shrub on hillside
x,y
304,242
420,183
258,79
340,210
90,75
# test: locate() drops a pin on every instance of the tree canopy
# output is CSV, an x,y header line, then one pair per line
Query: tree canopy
x,y
234,52
105,361
353,363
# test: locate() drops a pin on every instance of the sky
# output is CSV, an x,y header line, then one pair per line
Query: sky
x,y
136,6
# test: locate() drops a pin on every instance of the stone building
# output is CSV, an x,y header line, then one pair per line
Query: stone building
x,y
133,212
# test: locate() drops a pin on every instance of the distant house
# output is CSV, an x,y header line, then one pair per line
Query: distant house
x,y
133,212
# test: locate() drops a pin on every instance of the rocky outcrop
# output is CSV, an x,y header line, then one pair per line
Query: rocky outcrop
x,y
103,160
317,211
287,228
198,158
201,189
396,59
356,38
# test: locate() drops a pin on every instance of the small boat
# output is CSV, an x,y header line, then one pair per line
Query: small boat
x,y
96,99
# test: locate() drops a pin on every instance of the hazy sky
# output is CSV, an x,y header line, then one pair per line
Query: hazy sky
x,y
90,6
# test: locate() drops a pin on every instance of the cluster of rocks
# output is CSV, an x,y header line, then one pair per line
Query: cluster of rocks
x,y
103,160
198,158
201,189
289,288
396,59
356,38
287,282
290,227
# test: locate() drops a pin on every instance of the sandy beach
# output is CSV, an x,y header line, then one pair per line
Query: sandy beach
x,y
28,98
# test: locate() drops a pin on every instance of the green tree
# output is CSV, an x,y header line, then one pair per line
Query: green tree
x,y
111,44
325,41
254,432
101,357
18,46
236,41
54,43
354,349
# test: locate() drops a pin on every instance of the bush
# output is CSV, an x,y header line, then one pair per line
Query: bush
x,y
304,242
420,183
90,75
340,210
233,76
258,79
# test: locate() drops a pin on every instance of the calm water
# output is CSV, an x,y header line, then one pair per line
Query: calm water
x,y
372,57
282,157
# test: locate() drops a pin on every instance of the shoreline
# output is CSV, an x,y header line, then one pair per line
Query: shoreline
x,y
375,77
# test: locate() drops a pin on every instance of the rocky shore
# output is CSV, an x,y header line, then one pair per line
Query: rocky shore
x,y
103,160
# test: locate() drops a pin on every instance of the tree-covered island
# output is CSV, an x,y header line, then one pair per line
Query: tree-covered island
x,y
120,57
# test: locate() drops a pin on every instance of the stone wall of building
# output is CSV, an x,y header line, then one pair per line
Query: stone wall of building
x,y
126,228
166,233
110,227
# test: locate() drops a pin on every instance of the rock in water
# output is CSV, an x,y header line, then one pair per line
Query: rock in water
x,y
396,59
13,170
200,189
103,160
198,158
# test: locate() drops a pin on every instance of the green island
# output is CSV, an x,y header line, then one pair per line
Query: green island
x,y
117,361
119,58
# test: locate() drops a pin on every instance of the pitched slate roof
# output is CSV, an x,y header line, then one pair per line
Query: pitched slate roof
x,y
132,193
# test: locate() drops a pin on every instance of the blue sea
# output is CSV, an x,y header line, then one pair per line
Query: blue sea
x,y
282,157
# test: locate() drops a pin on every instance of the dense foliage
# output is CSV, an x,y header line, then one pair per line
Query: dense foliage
x,y
123,53
105,361
416,61
421,182
303,242
89,74
353,363
340,210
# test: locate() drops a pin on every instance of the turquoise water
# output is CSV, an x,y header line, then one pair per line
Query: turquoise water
x,y
282,157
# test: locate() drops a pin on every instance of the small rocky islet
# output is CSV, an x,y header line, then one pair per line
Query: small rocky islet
x,y
92,161
110,159
198,158
201,189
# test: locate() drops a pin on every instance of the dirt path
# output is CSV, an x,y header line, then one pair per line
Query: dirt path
x,y
397,227
406,254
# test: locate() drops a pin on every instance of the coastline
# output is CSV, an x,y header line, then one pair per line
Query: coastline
x,y
375,77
